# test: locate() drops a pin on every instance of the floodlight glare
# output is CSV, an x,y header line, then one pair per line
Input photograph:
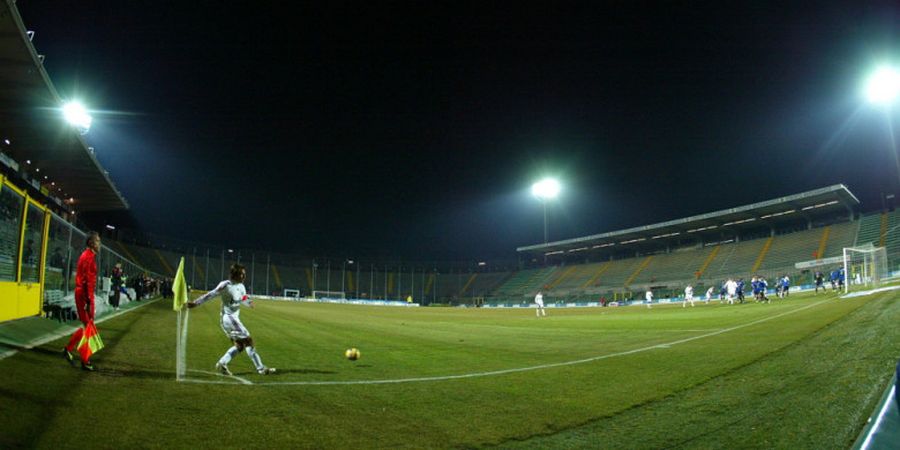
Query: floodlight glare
x,y
883,86
545,189
76,114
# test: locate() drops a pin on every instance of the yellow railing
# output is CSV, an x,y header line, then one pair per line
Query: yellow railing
x,y
164,262
823,242
429,283
640,269
468,283
762,254
566,273
128,253
197,268
708,261
603,268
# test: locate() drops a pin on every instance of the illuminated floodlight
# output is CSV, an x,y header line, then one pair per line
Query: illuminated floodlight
x,y
546,189
76,114
883,86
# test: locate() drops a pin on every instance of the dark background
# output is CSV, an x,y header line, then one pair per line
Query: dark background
x,y
416,130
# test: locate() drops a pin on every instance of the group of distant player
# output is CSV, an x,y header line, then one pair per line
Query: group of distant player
x,y
732,291
836,279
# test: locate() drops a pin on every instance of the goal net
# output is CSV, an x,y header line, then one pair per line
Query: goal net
x,y
331,295
864,267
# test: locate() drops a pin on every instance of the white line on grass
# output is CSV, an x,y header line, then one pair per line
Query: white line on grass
x,y
66,332
242,380
520,369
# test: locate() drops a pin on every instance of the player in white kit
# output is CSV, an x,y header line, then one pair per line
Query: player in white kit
x,y
539,300
234,294
688,296
709,293
649,297
730,290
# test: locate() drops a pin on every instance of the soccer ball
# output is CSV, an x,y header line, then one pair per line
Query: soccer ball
x,y
352,354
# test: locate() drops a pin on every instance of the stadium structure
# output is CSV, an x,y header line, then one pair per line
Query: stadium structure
x,y
766,238
49,176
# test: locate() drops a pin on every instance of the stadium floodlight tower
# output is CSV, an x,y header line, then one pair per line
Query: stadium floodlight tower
x,y
77,116
546,190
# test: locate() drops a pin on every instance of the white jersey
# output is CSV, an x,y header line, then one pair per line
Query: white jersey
x,y
709,293
539,299
688,292
649,296
233,294
731,287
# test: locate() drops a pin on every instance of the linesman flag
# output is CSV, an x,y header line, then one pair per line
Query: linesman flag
x,y
90,342
179,288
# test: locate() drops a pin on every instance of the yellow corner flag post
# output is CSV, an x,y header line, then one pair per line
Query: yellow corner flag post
x,y
179,298
179,288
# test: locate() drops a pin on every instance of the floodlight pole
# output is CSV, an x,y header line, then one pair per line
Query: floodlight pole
x,y
546,222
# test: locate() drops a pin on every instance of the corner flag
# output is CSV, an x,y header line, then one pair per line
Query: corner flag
x,y
179,288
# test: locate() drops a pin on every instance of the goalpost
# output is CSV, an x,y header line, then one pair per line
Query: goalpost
x,y
332,295
864,267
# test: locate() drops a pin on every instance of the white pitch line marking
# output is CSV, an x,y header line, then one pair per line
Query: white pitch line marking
x,y
520,369
242,380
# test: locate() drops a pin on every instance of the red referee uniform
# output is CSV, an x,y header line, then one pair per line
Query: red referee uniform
x,y
85,282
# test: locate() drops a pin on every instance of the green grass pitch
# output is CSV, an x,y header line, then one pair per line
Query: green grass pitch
x,y
798,373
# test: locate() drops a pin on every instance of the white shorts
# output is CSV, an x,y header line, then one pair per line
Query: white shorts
x,y
689,298
233,328
540,303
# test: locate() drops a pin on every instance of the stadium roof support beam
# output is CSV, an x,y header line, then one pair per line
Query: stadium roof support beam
x,y
827,203
30,117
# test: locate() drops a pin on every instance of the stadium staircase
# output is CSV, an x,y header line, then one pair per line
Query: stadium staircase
x,y
871,227
276,277
616,274
199,271
563,275
469,282
671,266
525,283
707,261
577,277
842,235
168,270
890,235
596,271
639,269
429,284
485,283
762,254
121,247
735,259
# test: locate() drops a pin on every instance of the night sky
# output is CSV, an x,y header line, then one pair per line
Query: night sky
x,y
414,130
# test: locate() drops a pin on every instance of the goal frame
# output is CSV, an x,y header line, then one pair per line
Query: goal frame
x,y
333,295
873,265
